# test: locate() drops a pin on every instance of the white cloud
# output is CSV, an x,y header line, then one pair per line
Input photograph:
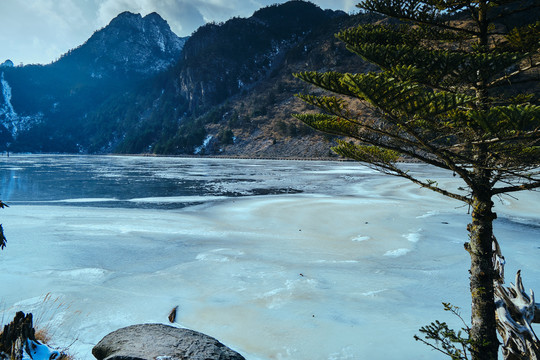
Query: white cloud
x,y
35,30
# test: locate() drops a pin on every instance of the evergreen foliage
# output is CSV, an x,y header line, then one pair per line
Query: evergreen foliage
x,y
455,344
457,88
226,137
3,240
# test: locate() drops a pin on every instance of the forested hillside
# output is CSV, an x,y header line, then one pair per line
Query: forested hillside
x,y
135,87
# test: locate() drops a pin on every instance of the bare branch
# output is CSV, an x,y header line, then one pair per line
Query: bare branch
x,y
393,170
528,186
529,135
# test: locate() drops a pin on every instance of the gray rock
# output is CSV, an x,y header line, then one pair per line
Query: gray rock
x,y
161,342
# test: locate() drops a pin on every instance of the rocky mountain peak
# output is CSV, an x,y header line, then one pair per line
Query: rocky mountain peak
x,y
7,63
155,17
130,43
125,19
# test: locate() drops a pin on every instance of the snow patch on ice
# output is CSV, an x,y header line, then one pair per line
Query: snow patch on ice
x,y
373,292
219,255
86,200
397,252
429,214
178,199
336,261
83,274
276,298
414,237
344,354
361,238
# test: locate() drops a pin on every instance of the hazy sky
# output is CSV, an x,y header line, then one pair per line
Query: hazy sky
x,y
39,31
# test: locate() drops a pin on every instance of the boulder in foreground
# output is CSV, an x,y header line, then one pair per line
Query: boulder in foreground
x,y
158,341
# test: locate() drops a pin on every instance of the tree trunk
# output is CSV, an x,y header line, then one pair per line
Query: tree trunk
x,y
15,336
18,341
483,334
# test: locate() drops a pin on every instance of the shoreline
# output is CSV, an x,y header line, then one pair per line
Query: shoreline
x,y
231,157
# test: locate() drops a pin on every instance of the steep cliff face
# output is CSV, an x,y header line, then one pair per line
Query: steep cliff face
x,y
43,107
13,122
219,61
257,122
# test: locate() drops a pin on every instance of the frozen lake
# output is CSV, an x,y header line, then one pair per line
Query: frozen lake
x,y
276,259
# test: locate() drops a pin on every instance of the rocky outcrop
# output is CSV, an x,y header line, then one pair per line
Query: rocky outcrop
x,y
158,341
7,63
130,43
222,60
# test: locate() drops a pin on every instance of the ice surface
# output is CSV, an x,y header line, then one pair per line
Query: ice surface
x,y
347,263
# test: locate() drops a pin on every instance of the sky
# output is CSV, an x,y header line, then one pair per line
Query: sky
x,y
40,31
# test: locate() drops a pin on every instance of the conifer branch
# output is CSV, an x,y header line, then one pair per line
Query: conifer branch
x,y
528,186
418,20
380,161
334,106
502,174
529,135
444,155
513,12
400,144
498,81
431,186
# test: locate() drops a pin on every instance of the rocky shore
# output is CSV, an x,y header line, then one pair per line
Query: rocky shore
x,y
137,342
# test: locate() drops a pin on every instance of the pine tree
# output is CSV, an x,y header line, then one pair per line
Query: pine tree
x,y
457,89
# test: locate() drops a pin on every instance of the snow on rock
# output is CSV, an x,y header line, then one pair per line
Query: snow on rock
x,y
7,109
12,121
199,149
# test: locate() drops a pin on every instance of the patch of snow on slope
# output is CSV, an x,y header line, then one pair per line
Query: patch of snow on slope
x,y
205,143
6,93
11,120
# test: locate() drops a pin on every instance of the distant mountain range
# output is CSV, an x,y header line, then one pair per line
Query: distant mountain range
x,y
136,87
